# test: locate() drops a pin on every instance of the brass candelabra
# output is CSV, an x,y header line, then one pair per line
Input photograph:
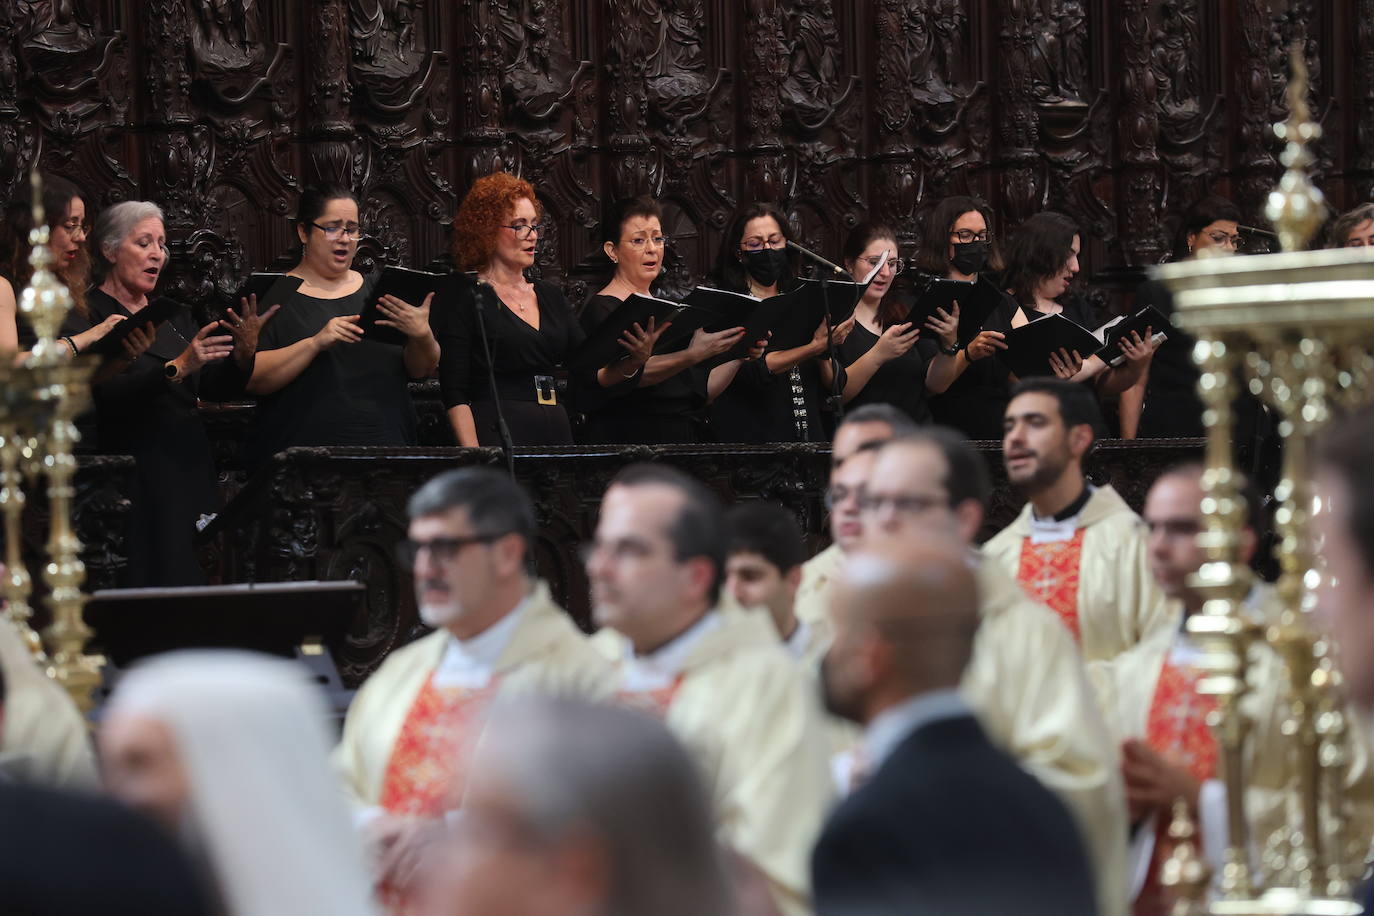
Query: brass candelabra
x,y
1294,329
43,393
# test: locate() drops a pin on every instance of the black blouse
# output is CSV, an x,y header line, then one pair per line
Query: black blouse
x,y
518,351
350,394
900,382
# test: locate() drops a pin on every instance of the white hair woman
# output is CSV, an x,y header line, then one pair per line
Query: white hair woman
x,y
148,410
230,750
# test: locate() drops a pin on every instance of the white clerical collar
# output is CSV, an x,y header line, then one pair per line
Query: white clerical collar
x,y
797,643
895,724
658,669
1058,528
471,662
1185,651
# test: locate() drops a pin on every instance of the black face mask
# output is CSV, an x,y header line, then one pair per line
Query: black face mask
x,y
970,257
767,265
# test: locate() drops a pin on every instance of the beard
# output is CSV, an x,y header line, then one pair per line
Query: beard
x,y
1048,469
838,703
440,615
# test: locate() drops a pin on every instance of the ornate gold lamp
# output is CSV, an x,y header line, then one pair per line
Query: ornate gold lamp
x,y
1295,327
37,433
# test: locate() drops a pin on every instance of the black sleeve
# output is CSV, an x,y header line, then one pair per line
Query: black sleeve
x,y
452,320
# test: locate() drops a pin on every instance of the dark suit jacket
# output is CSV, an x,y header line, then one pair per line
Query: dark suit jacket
x,y
951,826
65,854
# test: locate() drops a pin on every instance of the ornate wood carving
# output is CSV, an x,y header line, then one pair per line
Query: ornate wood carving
x,y
1118,112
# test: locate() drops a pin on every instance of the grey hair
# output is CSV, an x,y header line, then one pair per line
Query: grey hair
x,y
1340,229
621,776
495,503
112,227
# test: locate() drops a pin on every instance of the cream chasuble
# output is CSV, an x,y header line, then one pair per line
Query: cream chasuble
x,y
546,653
1127,686
1027,684
818,574
751,719
45,740
1091,570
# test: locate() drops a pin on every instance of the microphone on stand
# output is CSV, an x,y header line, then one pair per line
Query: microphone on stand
x,y
817,259
836,399
481,290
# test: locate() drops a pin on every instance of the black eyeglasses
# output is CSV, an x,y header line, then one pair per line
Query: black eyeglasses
x,y
964,236
525,230
333,232
441,550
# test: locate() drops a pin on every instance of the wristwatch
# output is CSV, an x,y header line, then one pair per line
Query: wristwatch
x,y
170,371
952,350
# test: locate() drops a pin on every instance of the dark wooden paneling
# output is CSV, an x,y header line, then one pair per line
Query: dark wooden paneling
x,y
1119,112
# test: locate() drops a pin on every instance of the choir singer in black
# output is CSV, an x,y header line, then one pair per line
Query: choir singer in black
x,y
318,378
674,386
530,328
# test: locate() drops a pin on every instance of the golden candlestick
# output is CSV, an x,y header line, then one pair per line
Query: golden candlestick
x,y
1304,321
42,399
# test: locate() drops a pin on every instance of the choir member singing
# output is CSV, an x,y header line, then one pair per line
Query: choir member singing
x,y
674,386
1165,403
958,244
65,213
148,410
1042,262
885,359
529,328
319,379
778,398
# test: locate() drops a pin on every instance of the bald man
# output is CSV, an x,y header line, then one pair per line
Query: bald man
x,y
1026,680
946,824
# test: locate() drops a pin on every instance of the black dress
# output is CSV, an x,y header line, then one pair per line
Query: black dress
x,y
141,413
762,406
976,401
900,382
1172,408
350,394
661,414
525,359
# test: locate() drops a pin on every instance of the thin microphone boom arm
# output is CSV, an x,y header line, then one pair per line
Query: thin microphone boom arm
x,y
817,259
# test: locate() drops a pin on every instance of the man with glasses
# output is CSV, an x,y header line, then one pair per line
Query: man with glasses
x,y
410,730
716,675
862,429
1025,680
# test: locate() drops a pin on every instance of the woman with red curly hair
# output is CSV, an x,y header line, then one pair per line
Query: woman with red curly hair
x,y
530,327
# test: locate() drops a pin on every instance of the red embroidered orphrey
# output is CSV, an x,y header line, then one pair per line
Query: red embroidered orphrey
x,y
1177,730
1049,574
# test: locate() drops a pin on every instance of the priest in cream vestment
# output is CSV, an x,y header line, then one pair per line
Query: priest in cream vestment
x,y
45,740
1025,680
1077,549
717,675
412,727
1151,697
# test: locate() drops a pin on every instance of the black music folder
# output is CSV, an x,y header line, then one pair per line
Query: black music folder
x,y
271,289
410,286
977,300
602,346
1112,332
711,310
1029,346
151,315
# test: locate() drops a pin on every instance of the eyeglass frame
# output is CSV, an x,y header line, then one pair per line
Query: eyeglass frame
x,y
523,230
408,551
770,243
958,236
70,229
905,504
640,242
333,232
897,264
1221,238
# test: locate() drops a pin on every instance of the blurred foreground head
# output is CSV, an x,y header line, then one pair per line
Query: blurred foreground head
x,y
230,751
575,809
